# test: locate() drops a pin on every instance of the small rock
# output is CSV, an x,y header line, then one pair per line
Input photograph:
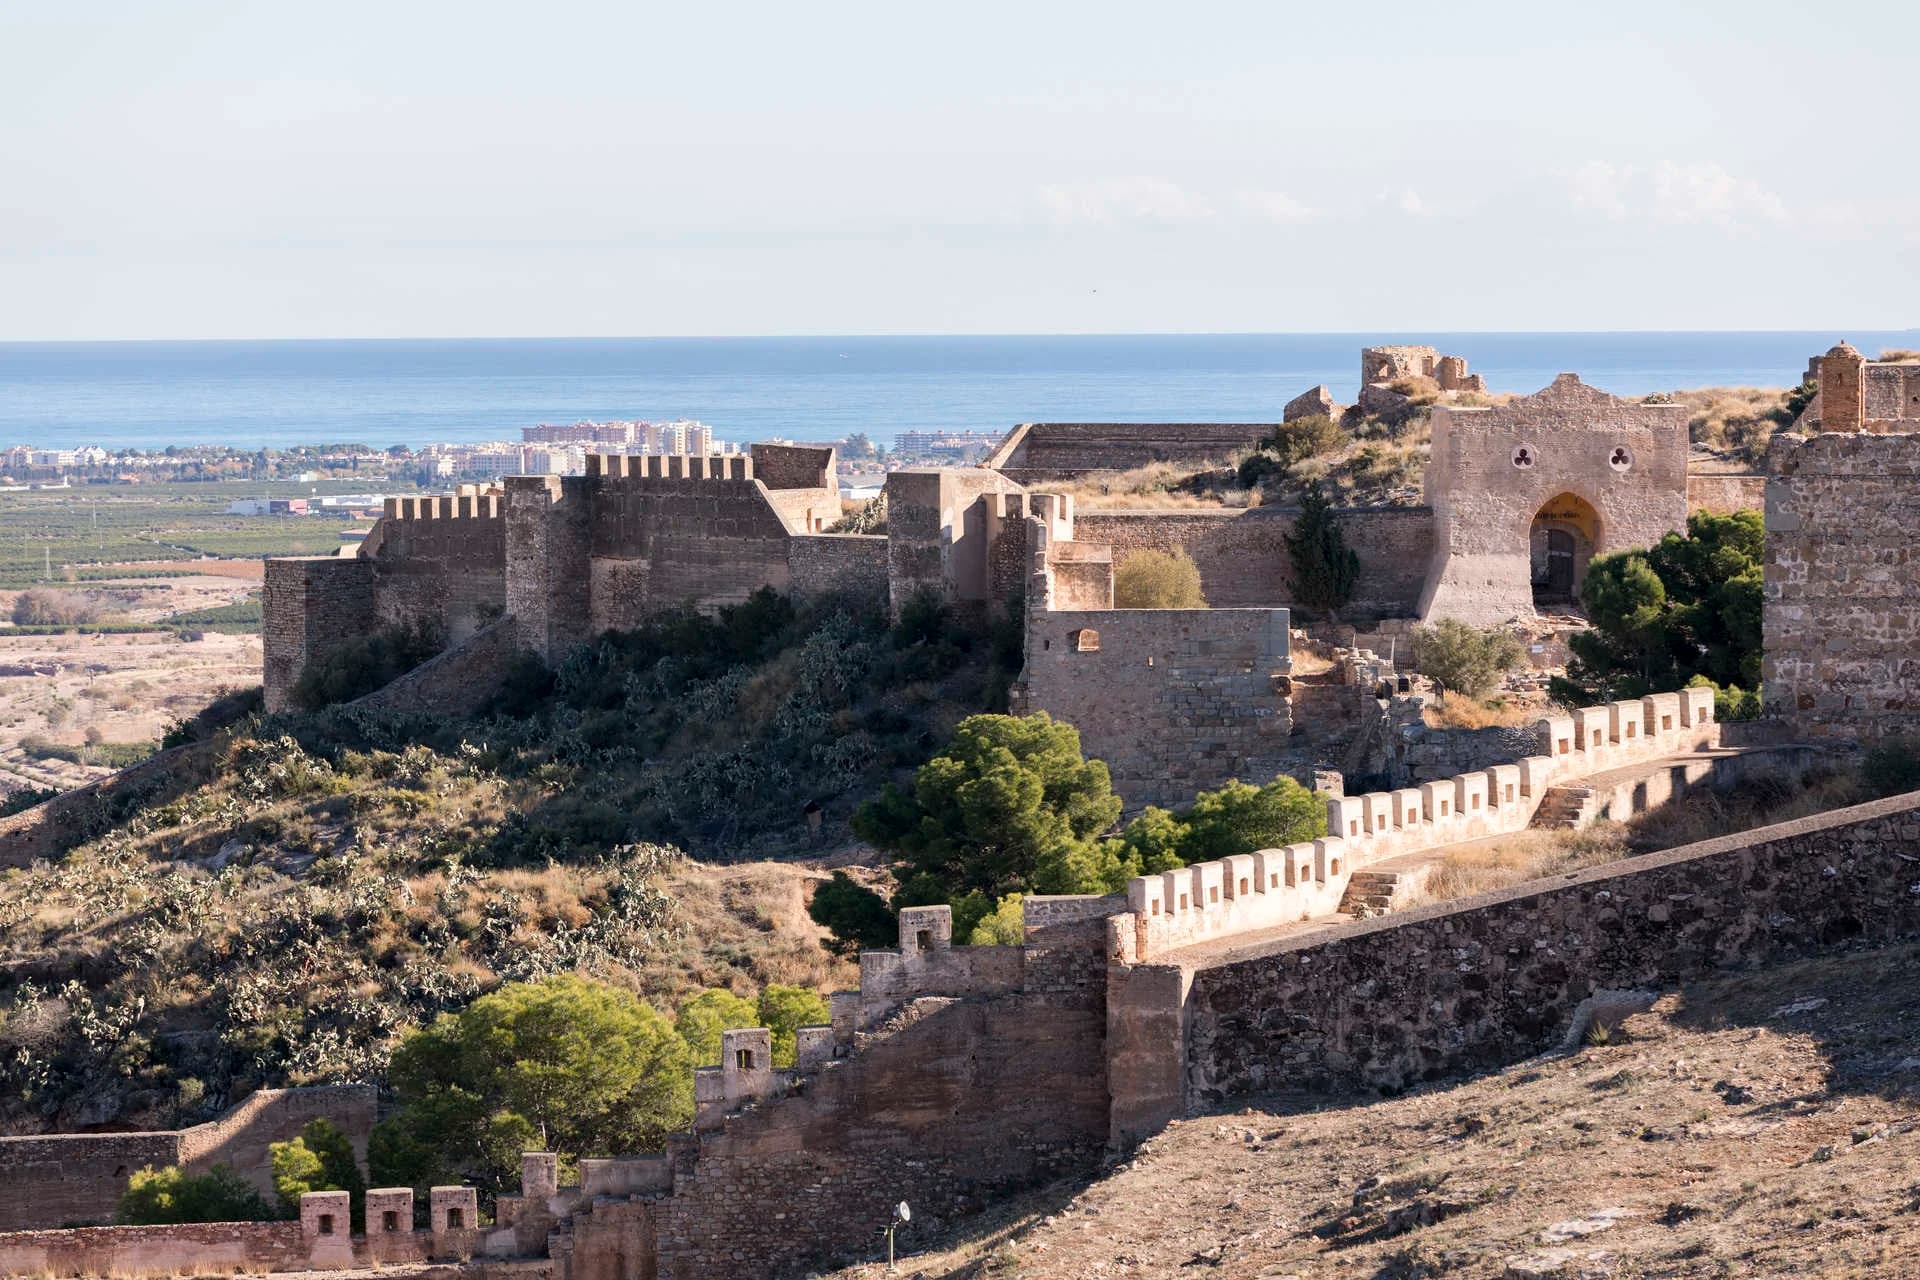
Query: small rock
x,y
1573,1228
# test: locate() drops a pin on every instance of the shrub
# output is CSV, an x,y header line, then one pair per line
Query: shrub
x,y
1464,658
319,1159
1893,767
702,1019
1158,580
363,665
24,798
783,1010
1004,926
1240,817
1325,568
158,1196
1010,805
855,915
1294,442
40,608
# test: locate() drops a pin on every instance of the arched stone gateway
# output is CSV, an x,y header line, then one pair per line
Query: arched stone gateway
x,y
1525,494
1560,543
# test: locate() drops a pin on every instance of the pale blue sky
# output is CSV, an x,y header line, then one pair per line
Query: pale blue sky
x,y
405,168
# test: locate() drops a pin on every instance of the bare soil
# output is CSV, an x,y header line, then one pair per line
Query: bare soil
x,y
1765,1125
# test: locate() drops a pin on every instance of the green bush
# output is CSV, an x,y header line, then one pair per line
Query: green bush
x,y
155,1197
703,1017
855,915
1004,926
1893,767
1325,568
1158,580
24,798
1294,442
1009,805
365,664
1465,659
783,1010
320,1159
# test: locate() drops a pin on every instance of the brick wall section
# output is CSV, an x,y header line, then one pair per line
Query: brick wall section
x,y
1242,555
310,606
1041,451
1493,470
1724,495
973,1100
1842,605
1174,700
77,1179
849,566
1438,990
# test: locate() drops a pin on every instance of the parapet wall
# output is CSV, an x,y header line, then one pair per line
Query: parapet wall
x,y
1242,555
1037,452
1489,980
63,1180
440,560
1842,599
309,607
1174,700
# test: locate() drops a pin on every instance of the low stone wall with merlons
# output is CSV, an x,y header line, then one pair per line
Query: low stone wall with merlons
x,y
1489,980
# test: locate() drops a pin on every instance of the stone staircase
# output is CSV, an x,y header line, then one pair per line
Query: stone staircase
x,y
1370,893
1566,807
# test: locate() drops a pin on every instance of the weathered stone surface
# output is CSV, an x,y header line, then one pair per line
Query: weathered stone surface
x,y
1037,452
1317,403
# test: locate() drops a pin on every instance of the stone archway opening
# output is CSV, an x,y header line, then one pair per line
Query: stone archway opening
x,y
1560,543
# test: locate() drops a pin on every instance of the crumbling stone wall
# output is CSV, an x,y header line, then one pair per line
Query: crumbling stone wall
x,y
1390,364
955,533
1611,472
1242,555
1841,616
1036,452
850,566
1438,990
1174,700
1722,495
308,608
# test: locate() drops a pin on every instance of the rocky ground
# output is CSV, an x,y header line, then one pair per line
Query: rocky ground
x,y
1763,1125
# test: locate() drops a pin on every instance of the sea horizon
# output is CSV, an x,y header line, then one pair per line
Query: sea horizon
x,y
279,392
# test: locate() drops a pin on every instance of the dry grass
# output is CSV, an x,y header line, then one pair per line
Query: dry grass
x,y
1899,355
1458,711
1740,419
1159,485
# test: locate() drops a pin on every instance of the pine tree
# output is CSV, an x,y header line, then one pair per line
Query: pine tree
x,y
1325,568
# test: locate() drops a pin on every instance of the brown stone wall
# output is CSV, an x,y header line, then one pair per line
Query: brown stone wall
x,y
309,607
940,535
1724,495
77,1179
457,681
1242,555
1494,470
848,565
795,466
1438,990
1174,700
190,1248
1043,451
550,533
1842,607
661,543
441,561
968,1102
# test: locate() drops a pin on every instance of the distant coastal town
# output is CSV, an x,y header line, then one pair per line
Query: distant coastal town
x,y
543,449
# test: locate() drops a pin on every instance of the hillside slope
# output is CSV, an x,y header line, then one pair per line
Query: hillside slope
x,y
1762,1125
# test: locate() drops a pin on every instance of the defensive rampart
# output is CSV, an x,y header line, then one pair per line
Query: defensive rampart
x,y
1242,555
63,1180
1037,452
1486,981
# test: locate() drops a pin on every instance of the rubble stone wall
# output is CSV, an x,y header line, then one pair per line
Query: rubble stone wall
x,y
1037,452
1427,993
1842,605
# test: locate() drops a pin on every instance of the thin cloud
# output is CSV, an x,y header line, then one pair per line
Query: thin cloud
x,y
1698,194
1112,201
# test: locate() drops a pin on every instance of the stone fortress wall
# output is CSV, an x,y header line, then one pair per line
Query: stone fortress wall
x,y
1038,452
76,1179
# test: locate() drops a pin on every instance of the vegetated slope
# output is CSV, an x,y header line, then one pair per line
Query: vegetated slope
x,y
1764,1125
304,888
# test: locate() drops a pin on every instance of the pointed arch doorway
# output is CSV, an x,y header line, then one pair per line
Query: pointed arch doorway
x,y
1562,540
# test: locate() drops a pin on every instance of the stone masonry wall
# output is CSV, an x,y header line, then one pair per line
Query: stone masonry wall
x,y
1041,451
61,1180
659,543
456,681
966,1102
1725,494
441,561
1842,607
309,607
1174,700
1242,555
1484,982
851,566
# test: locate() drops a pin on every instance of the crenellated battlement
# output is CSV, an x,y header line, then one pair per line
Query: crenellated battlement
x,y
654,466
468,503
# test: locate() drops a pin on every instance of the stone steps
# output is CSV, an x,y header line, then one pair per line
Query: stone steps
x,y
1370,893
1567,807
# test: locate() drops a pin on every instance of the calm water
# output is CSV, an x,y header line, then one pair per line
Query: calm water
x,y
251,394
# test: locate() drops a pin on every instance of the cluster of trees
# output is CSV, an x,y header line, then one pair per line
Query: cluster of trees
x,y
1011,806
1684,612
565,1063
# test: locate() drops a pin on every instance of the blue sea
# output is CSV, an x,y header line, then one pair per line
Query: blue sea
x,y
416,392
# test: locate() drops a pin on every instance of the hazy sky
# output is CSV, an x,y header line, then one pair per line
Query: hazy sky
x,y
407,168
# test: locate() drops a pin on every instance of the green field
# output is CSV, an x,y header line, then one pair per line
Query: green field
x,y
62,535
